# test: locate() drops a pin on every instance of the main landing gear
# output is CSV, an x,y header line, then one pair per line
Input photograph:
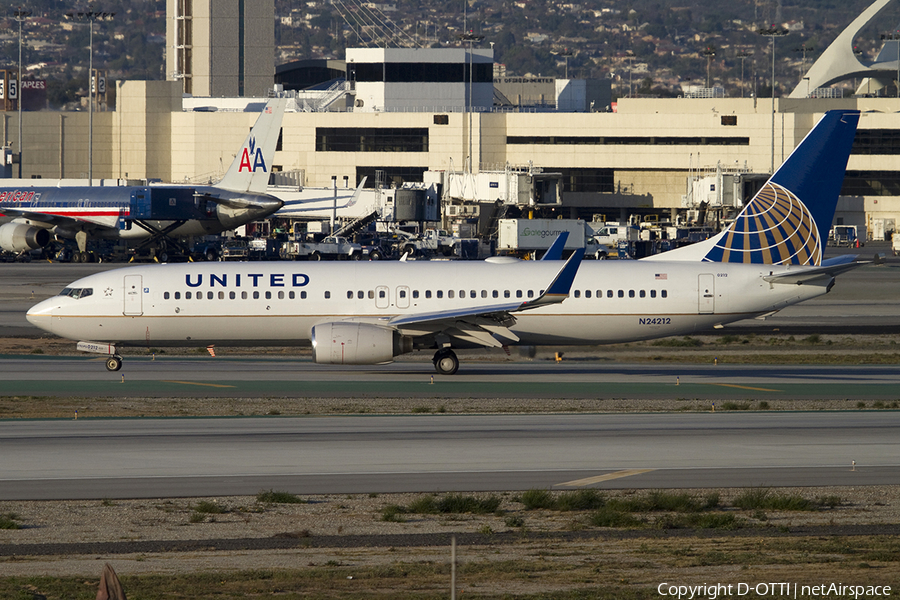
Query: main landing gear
x,y
445,361
113,363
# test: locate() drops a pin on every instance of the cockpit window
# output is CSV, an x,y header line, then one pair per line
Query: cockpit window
x,y
77,292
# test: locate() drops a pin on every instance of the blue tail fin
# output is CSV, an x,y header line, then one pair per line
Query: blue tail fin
x,y
788,220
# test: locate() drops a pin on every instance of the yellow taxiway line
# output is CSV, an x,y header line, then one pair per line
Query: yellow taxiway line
x,y
607,477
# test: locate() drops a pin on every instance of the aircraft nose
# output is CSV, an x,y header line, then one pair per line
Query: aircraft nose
x,y
40,315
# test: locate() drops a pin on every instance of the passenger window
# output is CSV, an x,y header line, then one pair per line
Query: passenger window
x,y
256,295
292,295
664,294
187,296
360,294
268,295
232,295
506,293
587,293
609,293
415,293
177,295
381,294
349,295
530,293
327,295
631,293
427,293
578,293
484,294
303,295
621,294
165,295
221,295
371,294
462,293
403,293
653,293
440,293
643,294
209,295
281,295
450,293
243,295
87,292
518,293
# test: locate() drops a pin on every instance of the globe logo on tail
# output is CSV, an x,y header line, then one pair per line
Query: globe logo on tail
x,y
776,228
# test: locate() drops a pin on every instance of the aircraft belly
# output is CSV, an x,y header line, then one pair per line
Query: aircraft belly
x,y
611,329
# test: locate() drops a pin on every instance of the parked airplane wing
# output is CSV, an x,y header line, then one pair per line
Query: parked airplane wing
x,y
829,268
57,219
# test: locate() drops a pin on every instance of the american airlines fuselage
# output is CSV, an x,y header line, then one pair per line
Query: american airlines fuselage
x,y
253,304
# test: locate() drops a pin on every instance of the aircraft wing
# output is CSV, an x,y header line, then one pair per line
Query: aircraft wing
x,y
829,268
484,324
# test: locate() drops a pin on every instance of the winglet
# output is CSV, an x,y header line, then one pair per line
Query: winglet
x,y
554,252
251,167
558,290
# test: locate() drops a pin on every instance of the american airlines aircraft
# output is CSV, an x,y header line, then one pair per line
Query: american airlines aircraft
x,y
155,211
368,313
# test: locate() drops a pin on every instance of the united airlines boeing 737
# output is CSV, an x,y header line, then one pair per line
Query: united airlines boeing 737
x,y
140,212
368,313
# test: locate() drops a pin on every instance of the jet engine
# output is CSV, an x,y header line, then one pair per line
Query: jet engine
x,y
16,237
350,343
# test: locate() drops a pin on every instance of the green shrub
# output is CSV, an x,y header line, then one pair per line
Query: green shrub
x,y
514,521
584,499
423,505
764,499
393,513
8,521
535,499
610,517
459,503
273,497
205,507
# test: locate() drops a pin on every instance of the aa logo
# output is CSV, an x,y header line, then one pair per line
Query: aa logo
x,y
258,161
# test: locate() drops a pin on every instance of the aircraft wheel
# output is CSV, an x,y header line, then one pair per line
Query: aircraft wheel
x,y
113,363
356,256
210,254
445,362
377,255
315,256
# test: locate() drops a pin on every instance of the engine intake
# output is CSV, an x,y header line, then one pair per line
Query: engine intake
x,y
16,237
349,343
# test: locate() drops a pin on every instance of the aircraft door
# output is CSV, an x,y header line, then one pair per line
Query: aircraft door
x,y
706,294
382,297
402,296
133,293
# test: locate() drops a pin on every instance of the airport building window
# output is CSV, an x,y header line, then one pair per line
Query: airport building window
x,y
871,183
885,142
371,139
409,72
592,140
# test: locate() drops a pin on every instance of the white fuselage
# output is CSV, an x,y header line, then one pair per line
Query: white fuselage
x,y
279,303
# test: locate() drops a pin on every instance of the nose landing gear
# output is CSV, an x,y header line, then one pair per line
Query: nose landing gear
x,y
113,363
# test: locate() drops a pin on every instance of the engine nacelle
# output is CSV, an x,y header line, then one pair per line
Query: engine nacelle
x,y
349,343
16,237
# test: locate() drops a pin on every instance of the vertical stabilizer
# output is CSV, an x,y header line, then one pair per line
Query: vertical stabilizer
x,y
251,167
788,220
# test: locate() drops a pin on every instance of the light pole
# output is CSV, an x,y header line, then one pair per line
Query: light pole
x,y
90,17
802,48
742,56
20,16
708,53
772,33
470,37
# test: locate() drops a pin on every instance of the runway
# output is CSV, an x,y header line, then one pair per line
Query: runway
x,y
143,376
134,458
